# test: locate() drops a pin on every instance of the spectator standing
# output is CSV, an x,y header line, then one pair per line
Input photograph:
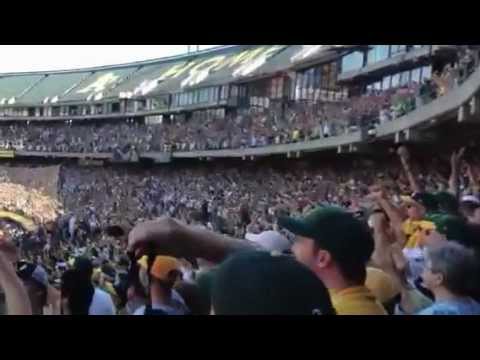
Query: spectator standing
x,y
337,248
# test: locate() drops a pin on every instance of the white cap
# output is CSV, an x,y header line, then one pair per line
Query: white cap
x,y
270,241
471,198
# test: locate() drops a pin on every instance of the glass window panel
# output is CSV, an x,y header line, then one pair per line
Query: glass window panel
x,y
386,82
273,87
397,49
311,76
377,53
333,75
395,80
426,72
305,79
416,76
325,76
353,61
317,77
280,87
224,92
405,78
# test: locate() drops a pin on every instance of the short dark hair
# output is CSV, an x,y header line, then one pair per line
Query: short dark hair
x,y
78,291
354,271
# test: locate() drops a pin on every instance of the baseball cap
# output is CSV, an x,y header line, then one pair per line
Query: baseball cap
x,y
29,271
453,227
335,230
427,200
259,283
471,199
447,203
270,241
162,266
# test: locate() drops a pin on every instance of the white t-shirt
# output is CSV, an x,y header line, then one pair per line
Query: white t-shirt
x,y
102,304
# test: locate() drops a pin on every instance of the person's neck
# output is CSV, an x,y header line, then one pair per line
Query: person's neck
x,y
442,294
161,296
333,280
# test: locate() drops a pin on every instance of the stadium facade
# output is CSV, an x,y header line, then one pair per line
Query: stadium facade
x,y
278,81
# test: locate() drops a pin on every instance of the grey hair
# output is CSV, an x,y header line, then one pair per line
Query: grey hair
x,y
457,264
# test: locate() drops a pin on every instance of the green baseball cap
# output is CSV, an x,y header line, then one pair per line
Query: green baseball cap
x,y
447,203
453,227
427,200
259,283
336,231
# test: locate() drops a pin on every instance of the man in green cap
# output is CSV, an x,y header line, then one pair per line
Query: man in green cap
x,y
337,248
330,242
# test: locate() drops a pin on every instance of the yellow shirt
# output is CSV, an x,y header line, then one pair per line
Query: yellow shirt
x,y
381,284
413,229
356,300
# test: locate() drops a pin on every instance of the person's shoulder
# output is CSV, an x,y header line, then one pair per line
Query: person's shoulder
x,y
356,301
139,311
440,309
102,294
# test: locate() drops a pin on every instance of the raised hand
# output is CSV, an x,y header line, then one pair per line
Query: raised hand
x,y
456,157
403,152
8,249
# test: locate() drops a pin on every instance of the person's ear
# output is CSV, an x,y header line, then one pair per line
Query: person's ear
x,y
323,259
438,279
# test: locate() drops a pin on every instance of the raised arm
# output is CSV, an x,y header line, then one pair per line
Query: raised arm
x,y
392,261
455,167
404,155
16,296
473,178
171,237
396,216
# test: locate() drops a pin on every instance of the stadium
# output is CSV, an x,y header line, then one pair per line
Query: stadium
x,y
231,137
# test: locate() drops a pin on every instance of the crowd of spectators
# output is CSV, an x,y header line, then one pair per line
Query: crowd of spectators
x,y
349,236
282,122
83,266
